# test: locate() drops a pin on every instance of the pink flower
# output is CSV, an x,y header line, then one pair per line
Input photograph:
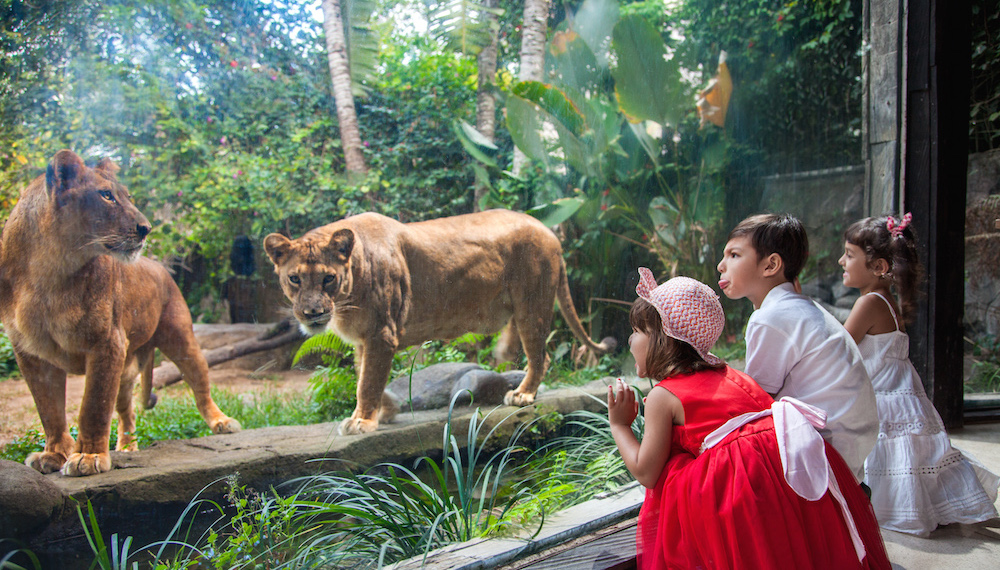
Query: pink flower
x,y
233,63
607,191
209,119
604,207
365,143
179,193
781,17
188,25
222,140
274,78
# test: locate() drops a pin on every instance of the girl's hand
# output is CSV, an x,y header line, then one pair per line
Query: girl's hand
x,y
622,405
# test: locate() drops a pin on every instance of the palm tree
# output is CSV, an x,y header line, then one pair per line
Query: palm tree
x,y
533,31
340,74
471,27
486,104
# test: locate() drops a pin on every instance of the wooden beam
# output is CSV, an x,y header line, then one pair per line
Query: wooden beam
x,y
934,179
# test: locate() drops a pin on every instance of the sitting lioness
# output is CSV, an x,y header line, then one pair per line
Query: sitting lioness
x,y
76,297
383,286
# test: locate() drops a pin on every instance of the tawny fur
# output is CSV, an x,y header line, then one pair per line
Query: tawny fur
x,y
383,285
76,297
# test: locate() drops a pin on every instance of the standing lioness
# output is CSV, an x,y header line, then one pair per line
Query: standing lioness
x,y
383,285
76,297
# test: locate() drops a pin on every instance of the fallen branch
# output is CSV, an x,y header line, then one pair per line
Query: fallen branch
x,y
283,333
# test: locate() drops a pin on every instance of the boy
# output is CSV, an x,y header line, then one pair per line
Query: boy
x,y
795,347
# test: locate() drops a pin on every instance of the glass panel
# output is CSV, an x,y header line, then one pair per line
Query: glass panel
x,y
982,225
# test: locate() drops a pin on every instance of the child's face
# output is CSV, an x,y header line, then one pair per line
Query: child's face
x,y
857,274
742,272
638,345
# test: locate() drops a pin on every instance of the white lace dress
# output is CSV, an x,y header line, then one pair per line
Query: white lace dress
x,y
917,478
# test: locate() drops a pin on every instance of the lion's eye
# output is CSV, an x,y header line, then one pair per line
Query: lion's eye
x,y
328,280
294,279
107,195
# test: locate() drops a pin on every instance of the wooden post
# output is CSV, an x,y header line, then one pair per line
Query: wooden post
x,y
935,172
915,135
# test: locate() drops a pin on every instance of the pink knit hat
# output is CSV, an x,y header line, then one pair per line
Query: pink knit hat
x,y
689,309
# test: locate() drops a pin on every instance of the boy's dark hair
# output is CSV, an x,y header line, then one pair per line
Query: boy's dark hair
x,y
777,233
872,235
665,356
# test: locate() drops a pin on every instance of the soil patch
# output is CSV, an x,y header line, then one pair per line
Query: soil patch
x,y
254,373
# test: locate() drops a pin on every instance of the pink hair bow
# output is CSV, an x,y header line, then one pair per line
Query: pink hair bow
x,y
896,228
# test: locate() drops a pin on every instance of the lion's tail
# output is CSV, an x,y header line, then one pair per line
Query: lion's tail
x,y
569,313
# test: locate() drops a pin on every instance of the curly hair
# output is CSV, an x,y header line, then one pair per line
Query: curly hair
x,y
872,236
666,355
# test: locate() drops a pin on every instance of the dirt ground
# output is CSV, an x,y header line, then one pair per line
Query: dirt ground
x,y
251,373
18,415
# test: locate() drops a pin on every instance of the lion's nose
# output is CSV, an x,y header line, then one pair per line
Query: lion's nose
x,y
142,230
313,312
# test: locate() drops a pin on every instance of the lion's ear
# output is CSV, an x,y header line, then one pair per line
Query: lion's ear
x,y
107,165
63,171
277,246
342,244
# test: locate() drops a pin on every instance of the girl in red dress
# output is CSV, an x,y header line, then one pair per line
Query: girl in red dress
x,y
733,479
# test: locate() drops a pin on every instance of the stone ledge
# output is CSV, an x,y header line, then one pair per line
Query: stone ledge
x,y
148,489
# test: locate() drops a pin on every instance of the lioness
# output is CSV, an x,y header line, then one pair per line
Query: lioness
x,y
76,297
383,285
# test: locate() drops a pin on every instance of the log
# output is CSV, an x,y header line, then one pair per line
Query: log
x,y
283,333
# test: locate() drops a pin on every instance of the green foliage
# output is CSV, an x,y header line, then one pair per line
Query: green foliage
x,y
796,69
407,127
260,533
334,383
985,375
8,364
462,24
115,558
358,520
16,556
984,116
20,447
642,185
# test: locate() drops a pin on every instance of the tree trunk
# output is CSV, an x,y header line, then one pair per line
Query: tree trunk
x,y
536,24
168,373
486,104
340,73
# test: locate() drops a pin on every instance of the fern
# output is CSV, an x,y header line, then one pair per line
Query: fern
x,y
328,345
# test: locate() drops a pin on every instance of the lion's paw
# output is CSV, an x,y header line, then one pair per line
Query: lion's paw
x,y
83,464
45,461
354,426
515,398
227,425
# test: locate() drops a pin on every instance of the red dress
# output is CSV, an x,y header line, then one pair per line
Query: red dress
x,y
730,507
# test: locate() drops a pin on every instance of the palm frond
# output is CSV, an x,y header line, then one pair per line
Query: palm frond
x,y
463,24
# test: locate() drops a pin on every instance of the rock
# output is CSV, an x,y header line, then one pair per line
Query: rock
x,y
28,501
813,288
481,387
514,378
431,387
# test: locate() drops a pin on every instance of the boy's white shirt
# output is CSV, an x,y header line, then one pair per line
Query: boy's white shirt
x,y
796,348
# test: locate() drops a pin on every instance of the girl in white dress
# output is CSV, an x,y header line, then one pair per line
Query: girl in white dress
x,y
918,479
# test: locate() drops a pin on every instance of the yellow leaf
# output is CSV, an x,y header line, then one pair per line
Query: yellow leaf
x,y
713,102
20,158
